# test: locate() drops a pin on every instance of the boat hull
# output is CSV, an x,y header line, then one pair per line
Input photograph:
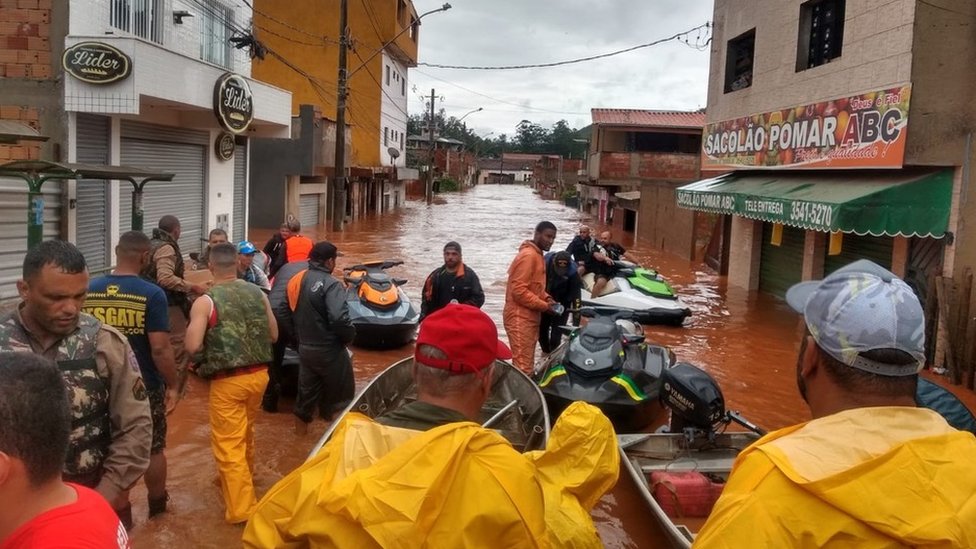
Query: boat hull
x,y
641,454
526,425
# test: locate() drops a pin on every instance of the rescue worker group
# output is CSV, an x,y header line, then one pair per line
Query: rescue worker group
x,y
91,367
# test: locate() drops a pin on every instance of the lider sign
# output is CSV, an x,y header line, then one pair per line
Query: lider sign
x,y
233,102
861,131
96,63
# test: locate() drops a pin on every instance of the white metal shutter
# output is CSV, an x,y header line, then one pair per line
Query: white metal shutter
x,y
183,196
308,206
92,207
240,192
13,228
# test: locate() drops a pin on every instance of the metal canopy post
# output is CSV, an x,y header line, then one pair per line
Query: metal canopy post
x,y
37,172
138,214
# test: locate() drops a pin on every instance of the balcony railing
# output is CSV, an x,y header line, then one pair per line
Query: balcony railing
x,y
142,18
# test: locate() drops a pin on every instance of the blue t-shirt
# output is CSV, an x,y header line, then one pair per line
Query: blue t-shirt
x,y
134,307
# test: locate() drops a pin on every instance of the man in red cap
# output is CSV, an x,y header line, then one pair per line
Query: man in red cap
x,y
428,475
453,365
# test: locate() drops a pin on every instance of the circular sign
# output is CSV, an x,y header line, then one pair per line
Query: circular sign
x,y
233,102
224,146
96,63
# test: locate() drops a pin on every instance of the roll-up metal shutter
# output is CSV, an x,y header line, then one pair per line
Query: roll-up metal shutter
x,y
13,228
308,206
854,247
92,219
240,192
182,197
781,266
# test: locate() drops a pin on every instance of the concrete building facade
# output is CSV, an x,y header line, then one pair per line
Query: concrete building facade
x,y
303,40
155,85
846,131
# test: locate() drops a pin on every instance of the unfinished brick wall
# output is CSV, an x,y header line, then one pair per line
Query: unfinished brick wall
x,y
25,53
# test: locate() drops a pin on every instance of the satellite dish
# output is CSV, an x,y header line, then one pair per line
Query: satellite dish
x,y
394,152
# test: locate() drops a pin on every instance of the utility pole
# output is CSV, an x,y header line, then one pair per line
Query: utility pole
x,y
430,151
339,181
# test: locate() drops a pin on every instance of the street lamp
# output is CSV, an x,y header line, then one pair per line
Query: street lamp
x,y
339,191
479,109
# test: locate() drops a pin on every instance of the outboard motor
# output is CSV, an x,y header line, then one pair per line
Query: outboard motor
x,y
696,402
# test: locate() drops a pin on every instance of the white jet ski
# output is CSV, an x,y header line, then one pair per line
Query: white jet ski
x,y
641,290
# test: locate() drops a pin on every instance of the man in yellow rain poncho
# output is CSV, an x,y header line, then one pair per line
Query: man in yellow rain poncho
x,y
426,475
870,470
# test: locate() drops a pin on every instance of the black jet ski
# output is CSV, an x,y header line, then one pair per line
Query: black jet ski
x,y
380,310
609,364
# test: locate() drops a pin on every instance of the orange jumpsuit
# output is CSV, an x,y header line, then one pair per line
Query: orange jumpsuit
x,y
525,301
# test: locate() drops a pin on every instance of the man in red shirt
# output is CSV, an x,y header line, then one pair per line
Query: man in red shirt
x,y
39,510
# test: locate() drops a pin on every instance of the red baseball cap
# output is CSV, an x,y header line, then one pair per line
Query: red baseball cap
x,y
466,335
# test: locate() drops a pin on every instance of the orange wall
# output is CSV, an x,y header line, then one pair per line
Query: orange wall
x,y
305,34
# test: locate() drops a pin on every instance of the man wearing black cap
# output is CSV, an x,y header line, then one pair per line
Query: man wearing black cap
x,y
454,282
323,329
870,469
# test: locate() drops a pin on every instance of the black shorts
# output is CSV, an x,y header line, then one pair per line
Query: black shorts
x,y
157,409
601,270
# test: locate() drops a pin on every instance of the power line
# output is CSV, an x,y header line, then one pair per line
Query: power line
x,y
324,41
569,61
377,82
270,17
486,96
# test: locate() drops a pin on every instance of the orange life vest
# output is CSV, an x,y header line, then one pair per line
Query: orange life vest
x,y
297,248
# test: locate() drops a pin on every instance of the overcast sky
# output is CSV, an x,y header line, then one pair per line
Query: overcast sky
x,y
517,32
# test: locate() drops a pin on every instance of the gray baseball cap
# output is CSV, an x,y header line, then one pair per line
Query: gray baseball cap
x,y
862,307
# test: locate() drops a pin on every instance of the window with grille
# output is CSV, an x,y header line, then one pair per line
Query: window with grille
x,y
142,18
386,136
821,33
739,55
215,22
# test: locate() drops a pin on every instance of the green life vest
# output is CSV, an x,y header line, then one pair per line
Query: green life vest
x,y
88,391
239,334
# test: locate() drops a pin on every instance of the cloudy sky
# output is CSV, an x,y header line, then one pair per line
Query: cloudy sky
x,y
518,32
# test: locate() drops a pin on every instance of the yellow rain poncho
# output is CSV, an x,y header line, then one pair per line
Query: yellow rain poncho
x,y
457,485
868,478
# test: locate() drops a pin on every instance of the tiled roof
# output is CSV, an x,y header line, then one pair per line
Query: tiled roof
x,y
521,157
641,117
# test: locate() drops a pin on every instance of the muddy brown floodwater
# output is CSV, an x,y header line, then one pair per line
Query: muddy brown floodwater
x,y
747,341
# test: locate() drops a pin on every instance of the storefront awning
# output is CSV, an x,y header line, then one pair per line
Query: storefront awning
x,y
904,203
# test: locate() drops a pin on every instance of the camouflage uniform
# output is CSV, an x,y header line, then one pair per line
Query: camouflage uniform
x,y
241,335
165,269
111,427
236,351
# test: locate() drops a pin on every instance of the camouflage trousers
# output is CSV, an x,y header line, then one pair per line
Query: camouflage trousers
x,y
177,337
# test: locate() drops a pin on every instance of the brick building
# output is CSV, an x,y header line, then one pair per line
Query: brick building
x,y
637,159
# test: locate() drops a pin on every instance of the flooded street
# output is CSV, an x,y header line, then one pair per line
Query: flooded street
x,y
747,342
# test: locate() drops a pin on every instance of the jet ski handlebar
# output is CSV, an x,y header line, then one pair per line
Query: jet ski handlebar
x,y
613,313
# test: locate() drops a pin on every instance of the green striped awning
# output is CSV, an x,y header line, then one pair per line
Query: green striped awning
x,y
903,203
